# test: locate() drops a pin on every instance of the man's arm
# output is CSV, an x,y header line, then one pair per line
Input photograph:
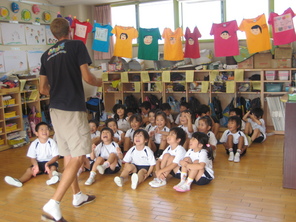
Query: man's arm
x,y
43,85
88,77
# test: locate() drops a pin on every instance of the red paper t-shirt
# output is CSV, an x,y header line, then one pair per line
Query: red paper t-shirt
x,y
192,45
283,31
81,30
225,39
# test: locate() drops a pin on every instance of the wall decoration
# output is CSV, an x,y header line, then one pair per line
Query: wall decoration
x,y
34,61
15,60
4,13
14,34
35,9
46,16
26,15
2,67
15,7
35,34
50,39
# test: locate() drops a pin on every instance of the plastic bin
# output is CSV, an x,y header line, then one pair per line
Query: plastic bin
x,y
283,75
273,87
270,75
15,141
10,114
1,142
11,128
9,102
1,129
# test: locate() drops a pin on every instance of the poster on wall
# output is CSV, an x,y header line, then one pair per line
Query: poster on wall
x,y
2,67
15,60
13,34
35,34
50,39
34,61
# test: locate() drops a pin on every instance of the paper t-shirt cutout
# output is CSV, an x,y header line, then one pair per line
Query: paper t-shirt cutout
x,y
225,39
172,44
148,43
124,37
192,45
257,34
81,30
102,35
283,30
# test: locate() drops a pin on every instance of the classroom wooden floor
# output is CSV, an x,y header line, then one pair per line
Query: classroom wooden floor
x,y
247,191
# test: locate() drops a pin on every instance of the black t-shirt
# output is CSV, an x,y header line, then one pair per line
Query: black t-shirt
x,y
61,64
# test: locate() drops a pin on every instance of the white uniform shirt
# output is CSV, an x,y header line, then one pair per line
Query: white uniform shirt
x,y
95,134
177,121
196,122
179,153
123,124
104,150
118,134
202,157
170,117
148,127
261,127
157,136
212,138
130,134
185,128
143,157
43,151
236,136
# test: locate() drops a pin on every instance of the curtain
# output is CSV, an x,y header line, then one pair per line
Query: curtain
x,y
102,15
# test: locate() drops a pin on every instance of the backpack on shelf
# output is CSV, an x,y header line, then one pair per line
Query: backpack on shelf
x,y
224,119
175,105
96,107
131,103
194,105
154,101
255,103
216,108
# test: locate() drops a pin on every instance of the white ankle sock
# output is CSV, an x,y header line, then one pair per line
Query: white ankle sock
x,y
52,207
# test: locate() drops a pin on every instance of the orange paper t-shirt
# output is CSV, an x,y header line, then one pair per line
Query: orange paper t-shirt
x,y
257,34
172,44
124,37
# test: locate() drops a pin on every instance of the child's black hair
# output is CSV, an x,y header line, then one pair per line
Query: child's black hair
x,y
161,113
165,106
180,134
41,124
144,132
207,120
185,104
189,111
203,139
258,112
94,121
108,129
257,27
115,108
152,111
237,120
110,120
237,111
146,105
203,109
137,117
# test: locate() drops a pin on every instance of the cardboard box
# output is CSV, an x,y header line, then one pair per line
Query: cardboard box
x,y
283,53
262,60
289,45
281,63
247,64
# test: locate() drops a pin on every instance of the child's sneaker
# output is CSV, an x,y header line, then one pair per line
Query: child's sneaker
x,y
101,169
236,157
52,210
13,181
81,199
183,188
135,180
53,180
155,180
91,179
231,156
118,181
157,183
179,184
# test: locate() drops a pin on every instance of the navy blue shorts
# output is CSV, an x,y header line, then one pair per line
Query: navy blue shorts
x,y
139,167
110,171
41,166
204,180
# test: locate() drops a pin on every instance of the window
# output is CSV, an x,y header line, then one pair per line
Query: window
x,y
201,14
241,9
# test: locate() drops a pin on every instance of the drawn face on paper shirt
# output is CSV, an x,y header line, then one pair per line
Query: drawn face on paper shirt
x,y
148,39
256,30
225,35
172,40
123,36
190,41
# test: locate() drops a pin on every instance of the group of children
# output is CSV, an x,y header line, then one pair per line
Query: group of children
x,y
152,143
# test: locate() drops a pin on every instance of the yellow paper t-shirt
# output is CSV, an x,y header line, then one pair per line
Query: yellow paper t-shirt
x,y
172,44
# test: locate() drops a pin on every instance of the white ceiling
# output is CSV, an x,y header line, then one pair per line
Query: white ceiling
x,y
83,2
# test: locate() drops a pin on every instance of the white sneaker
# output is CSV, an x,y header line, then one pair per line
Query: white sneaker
x,y
101,169
90,180
154,180
179,184
118,181
237,157
231,156
52,208
81,199
183,188
13,181
158,183
135,180
53,180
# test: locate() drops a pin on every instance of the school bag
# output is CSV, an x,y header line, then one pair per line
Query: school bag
x,y
216,108
255,103
224,119
154,101
96,106
175,105
194,105
131,102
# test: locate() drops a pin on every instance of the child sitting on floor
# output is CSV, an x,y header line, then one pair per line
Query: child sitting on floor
x,y
107,155
197,165
139,161
44,154
234,140
168,162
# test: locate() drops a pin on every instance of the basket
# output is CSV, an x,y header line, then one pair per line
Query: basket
x,y
283,75
10,114
273,87
15,141
269,75
11,128
9,102
1,129
1,142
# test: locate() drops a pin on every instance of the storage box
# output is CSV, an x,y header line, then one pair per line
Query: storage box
x,y
1,129
11,128
262,60
292,97
10,114
283,53
270,75
281,63
283,75
1,142
289,45
15,141
247,64
273,87
9,102
10,90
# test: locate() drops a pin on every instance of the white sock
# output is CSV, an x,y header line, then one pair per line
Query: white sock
x,y
79,197
106,164
52,207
